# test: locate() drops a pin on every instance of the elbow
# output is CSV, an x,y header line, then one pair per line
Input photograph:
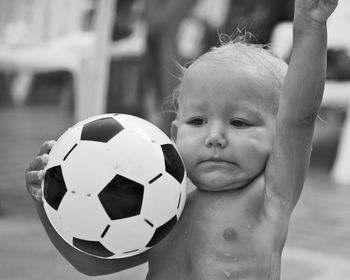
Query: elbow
x,y
86,264
89,270
86,272
299,122
89,273
308,120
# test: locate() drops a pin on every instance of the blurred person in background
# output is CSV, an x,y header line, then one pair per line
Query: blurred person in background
x,y
163,18
125,94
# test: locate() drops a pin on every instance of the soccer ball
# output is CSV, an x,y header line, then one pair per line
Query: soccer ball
x,y
114,186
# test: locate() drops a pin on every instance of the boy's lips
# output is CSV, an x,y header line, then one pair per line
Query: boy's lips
x,y
217,161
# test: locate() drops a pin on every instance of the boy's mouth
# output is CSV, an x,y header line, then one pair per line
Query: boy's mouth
x,y
216,161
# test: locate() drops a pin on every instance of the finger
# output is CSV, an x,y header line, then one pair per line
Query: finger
x,y
34,177
46,147
35,192
39,162
33,189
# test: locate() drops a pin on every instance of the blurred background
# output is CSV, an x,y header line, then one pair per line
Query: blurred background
x,y
64,60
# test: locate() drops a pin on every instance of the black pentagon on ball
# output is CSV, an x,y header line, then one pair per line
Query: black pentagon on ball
x,y
162,231
54,186
122,198
101,130
173,162
92,247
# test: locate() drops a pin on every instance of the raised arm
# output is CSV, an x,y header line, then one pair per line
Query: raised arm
x,y
299,102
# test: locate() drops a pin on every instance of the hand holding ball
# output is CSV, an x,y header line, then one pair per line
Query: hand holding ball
x,y
115,185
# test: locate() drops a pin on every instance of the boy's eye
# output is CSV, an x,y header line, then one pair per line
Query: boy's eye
x,y
196,121
239,123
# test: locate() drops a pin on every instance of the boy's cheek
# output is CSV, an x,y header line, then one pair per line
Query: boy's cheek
x,y
185,152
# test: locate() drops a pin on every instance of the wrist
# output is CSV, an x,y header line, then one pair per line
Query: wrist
x,y
308,26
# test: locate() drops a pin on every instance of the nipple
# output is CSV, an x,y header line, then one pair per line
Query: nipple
x,y
230,234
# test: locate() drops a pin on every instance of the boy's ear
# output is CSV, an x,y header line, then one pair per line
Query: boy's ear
x,y
173,130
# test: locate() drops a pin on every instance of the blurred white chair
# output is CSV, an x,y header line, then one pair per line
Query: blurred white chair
x,y
35,37
336,94
85,54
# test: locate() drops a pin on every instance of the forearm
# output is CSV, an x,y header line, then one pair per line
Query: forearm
x,y
304,84
85,263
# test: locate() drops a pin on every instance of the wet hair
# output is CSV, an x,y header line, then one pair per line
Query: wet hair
x,y
240,49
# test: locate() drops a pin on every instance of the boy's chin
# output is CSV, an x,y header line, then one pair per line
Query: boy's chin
x,y
216,184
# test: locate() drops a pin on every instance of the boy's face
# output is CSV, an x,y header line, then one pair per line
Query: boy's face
x,y
224,130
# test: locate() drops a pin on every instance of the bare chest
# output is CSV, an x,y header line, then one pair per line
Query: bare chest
x,y
224,237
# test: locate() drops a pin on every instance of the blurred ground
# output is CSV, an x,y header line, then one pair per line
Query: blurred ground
x,y
318,245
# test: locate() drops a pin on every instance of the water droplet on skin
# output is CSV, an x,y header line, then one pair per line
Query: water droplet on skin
x,y
250,227
227,274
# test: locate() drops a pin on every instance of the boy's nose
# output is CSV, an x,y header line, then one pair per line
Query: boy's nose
x,y
216,138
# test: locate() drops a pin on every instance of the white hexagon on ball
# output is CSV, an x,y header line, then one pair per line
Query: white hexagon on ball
x,y
125,242
167,193
136,157
78,220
